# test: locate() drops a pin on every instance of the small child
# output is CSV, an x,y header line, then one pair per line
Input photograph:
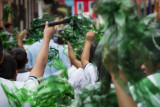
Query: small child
x,y
82,72
20,56
76,76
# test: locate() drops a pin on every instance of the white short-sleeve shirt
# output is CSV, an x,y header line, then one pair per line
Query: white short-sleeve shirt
x,y
31,83
22,76
77,79
91,73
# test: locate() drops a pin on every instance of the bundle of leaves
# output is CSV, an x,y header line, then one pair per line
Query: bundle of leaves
x,y
37,34
94,97
75,33
122,46
99,32
122,42
6,11
70,35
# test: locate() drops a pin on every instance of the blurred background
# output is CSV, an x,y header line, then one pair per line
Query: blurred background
x,y
26,10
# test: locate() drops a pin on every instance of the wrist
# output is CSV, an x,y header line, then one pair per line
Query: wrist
x,y
46,37
88,41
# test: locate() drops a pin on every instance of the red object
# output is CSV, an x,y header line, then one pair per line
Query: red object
x,y
85,5
61,1
93,15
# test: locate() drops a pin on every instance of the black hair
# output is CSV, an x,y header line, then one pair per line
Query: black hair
x,y
92,51
60,41
1,29
8,67
20,56
7,25
1,48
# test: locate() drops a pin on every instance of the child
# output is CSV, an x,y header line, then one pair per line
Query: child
x,y
20,56
76,76
82,72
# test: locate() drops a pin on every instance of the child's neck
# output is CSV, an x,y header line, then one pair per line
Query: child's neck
x,y
23,69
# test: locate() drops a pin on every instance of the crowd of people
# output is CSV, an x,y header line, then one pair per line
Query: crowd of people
x,y
21,68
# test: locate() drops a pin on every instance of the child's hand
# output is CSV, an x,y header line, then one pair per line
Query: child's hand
x,y
90,35
49,31
21,35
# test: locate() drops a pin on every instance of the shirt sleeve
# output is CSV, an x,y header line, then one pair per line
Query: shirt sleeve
x,y
31,83
71,70
91,73
78,80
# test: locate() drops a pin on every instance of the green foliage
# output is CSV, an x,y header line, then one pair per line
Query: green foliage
x,y
95,97
28,41
75,33
70,35
6,11
55,91
37,34
52,54
55,61
122,45
9,44
4,39
99,32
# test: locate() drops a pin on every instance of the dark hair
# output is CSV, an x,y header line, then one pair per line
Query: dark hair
x,y
60,41
92,51
1,49
20,56
1,29
7,25
8,67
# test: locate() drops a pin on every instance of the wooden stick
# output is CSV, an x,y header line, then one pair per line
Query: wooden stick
x,y
54,23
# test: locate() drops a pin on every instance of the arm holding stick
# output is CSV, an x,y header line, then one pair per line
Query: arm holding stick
x,y
86,50
42,57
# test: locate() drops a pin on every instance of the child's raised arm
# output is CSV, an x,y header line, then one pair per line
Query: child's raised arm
x,y
20,38
73,59
42,57
87,47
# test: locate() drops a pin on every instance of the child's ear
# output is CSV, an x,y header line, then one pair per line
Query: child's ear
x,y
1,59
15,76
27,61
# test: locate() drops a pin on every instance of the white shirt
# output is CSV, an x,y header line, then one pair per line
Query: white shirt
x,y
77,79
31,83
81,78
22,76
91,73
